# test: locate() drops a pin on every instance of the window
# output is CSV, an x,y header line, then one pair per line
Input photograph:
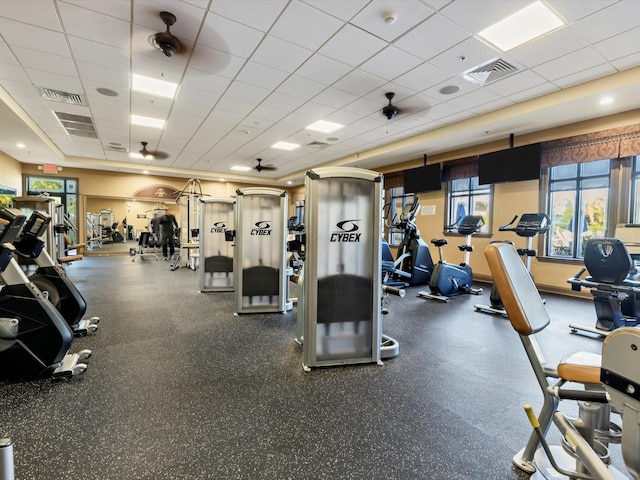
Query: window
x,y
65,192
395,200
467,197
578,205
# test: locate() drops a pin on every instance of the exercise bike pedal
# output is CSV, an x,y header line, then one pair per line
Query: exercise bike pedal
x,y
433,296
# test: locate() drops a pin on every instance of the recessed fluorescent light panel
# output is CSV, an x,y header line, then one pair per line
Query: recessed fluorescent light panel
x,y
523,26
324,126
152,86
136,155
285,146
147,121
240,168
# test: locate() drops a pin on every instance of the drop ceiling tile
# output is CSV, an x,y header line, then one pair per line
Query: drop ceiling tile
x,y
342,10
36,38
323,69
216,61
432,37
442,110
304,25
247,92
533,92
464,56
56,82
364,106
363,46
491,106
619,45
36,59
39,13
205,100
261,75
548,47
91,25
473,99
627,62
407,14
516,83
13,72
99,54
235,105
300,87
206,81
609,22
474,16
116,8
313,111
265,115
585,75
422,77
334,98
256,14
569,64
571,10
229,36
108,77
390,63
359,83
282,101
154,67
281,54
416,103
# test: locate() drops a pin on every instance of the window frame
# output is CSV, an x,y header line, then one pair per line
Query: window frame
x,y
471,193
619,203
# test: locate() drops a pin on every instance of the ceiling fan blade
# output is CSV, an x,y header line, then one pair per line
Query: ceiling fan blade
x,y
160,155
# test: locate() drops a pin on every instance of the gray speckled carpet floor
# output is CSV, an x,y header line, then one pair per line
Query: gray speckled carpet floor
x,y
180,388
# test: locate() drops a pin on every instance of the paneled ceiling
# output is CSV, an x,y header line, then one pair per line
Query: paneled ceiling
x,y
254,72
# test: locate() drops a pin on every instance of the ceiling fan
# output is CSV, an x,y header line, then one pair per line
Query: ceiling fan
x,y
259,167
390,111
157,155
166,41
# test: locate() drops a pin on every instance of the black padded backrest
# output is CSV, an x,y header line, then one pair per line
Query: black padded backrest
x,y
607,260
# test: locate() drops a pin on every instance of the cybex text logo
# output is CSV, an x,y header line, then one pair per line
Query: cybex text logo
x,y
347,232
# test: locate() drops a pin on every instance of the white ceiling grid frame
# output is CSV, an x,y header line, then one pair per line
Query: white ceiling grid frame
x,y
432,37
363,46
380,63
304,25
603,24
407,14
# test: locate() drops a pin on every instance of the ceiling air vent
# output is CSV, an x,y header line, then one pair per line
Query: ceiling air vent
x,y
78,125
489,72
319,144
59,96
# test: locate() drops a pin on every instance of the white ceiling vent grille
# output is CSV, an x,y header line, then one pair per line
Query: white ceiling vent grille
x,y
78,125
489,72
59,96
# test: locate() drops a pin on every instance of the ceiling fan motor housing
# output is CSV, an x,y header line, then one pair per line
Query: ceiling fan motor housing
x,y
389,111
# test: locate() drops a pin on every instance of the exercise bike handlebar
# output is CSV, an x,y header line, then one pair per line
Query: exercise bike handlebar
x,y
509,226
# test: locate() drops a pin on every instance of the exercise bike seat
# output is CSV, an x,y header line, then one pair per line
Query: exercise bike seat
x,y
439,242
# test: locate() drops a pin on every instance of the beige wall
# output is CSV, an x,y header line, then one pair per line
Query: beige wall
x,y
11,175
113,190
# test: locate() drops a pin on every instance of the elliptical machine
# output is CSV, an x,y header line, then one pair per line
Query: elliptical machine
x,y
447,279
34,338
413,264
529,225
51,277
